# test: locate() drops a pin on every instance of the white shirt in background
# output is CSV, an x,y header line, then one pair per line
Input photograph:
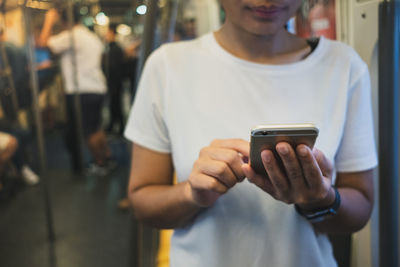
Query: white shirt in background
x,y
88,50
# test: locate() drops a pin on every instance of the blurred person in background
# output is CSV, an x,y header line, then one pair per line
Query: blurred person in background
x,y
113,66
86,52
189,29
179,32
8,147
17,73
20,158
12,165
132,51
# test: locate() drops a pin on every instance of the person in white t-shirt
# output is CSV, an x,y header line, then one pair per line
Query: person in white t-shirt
x,y
81,70
196,104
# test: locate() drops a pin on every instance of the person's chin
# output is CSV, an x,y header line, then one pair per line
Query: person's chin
x,y
265,30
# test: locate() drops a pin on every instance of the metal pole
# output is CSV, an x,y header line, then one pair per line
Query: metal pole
x,y
147,46
389,13
39,128
11,90
77,105
172,21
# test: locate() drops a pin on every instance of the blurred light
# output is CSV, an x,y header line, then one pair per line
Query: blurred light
x,y
291,26
102,19
88,21
36,4
162,3
141,10
84,10
123,29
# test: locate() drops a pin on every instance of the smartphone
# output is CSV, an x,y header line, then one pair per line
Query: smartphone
x,y
268,136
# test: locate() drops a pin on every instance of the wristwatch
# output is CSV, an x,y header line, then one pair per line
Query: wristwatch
x,y
321,214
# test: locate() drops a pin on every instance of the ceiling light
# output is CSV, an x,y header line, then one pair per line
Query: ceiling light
x,y
141,10
102,19
124,29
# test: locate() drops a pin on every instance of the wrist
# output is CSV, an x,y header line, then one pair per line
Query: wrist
x,y
327,201
322,213
188,194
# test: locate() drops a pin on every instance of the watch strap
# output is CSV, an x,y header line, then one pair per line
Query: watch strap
x,y
321,214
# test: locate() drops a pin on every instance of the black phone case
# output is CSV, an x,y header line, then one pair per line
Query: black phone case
x,y
268,140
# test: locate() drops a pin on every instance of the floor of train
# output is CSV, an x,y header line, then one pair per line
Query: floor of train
x,y
89,228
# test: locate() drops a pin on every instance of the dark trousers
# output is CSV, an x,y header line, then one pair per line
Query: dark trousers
x,y
115,105
90,105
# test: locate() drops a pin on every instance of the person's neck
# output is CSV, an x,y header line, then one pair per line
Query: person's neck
x,y
279,48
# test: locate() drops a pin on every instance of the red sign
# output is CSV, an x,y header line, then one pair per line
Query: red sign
x,y
317,18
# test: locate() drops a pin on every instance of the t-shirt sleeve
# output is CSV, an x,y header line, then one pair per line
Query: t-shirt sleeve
x,y
146,123
60,43
357,151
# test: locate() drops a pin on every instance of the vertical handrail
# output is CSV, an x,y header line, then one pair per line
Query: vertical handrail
x,y
8,73
11,90
147,46
172,20
389,132
77,104
38,122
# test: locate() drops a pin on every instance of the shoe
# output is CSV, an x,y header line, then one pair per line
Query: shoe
x,y
101,170
96,170
29,176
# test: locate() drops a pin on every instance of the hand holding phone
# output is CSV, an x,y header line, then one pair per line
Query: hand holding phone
x,y
268,136
295,174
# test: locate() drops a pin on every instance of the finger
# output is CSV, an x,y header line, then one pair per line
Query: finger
x,y
276,176
324,164
219,170
311,170
203,182
230,157
261,181
292,166
239,145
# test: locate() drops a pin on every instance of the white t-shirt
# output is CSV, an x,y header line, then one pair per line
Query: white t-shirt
x,y
193,92
88,49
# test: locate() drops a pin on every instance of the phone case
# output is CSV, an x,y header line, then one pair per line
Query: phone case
x,y
267,136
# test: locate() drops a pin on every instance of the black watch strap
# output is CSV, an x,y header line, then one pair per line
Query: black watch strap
x,y
321,214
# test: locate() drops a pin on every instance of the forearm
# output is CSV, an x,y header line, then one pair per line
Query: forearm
x,y
163,206
353,214
46,32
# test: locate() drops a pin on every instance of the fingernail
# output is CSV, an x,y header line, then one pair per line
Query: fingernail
x,y
267,157
302,151
283,150
245,159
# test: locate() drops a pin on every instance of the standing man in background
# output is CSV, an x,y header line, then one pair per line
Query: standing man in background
x,y
86,51
113,67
